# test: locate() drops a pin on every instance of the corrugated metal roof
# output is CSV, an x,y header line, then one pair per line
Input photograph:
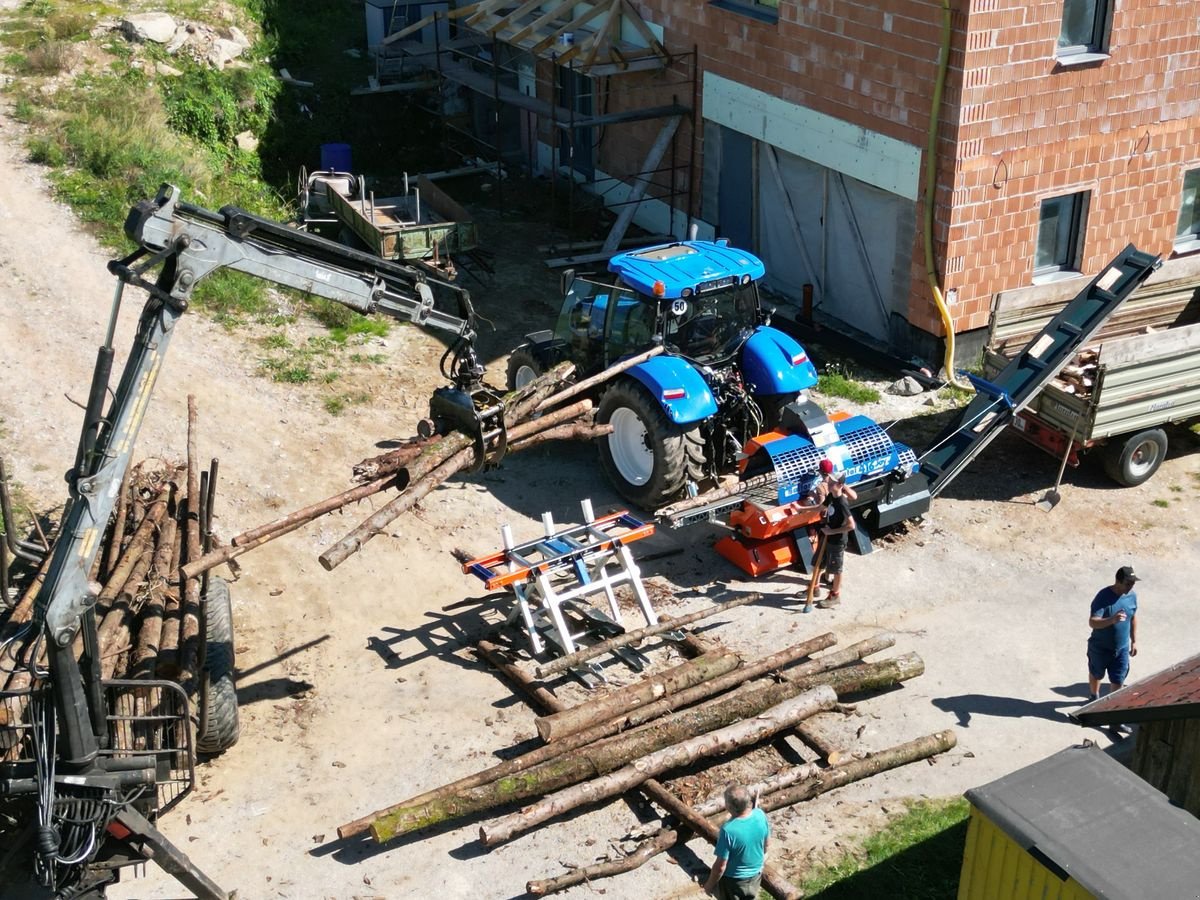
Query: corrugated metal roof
x,y
1173,693
1085,816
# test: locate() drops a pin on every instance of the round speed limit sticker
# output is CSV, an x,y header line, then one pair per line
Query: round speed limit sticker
x,y
678,307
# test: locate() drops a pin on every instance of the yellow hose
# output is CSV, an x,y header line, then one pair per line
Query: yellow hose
x,y
931,193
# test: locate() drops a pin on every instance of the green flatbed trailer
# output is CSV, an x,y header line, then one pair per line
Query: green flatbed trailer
x,y
1140,372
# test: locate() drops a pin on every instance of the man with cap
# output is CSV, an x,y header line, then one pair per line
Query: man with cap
x,y
1113,620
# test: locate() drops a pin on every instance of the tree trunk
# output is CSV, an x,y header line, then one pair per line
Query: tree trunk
x,y
562,663
819,783
189,626
588,383
599,709
646,850
605,756
145,650
576,432
139,545
714,743
393,461
583,738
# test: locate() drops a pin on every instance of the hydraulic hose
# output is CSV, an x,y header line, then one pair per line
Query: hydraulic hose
x,y
931,193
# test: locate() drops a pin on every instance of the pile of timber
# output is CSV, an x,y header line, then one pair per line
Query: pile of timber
x,y
147,617
705,709
1079,377
546,409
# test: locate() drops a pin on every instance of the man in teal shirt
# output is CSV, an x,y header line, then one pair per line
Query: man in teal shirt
x,y
741,849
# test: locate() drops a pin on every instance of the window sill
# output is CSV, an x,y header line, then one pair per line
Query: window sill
x,y
1052,277
760,13
1190,245
1069,60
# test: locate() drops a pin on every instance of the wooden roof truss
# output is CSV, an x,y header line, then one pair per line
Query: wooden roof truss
x,y
586,35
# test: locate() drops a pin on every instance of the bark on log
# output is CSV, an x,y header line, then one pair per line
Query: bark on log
x,y
256,537
825,780
393,461
139,545
112,546
581,739
562,663
146,647
578,432
600,709
588,383
648,849
702,500
831,753
714,743
190,612
605,756
761,789
438,462
778,886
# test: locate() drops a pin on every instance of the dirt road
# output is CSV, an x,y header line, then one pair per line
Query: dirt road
x,y
354,685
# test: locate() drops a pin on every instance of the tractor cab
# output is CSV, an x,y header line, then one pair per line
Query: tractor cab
x,y
699,299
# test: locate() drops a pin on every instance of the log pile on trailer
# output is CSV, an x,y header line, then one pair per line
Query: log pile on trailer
x,y
703,712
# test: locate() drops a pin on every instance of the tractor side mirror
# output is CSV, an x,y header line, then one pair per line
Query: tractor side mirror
x,y
566,280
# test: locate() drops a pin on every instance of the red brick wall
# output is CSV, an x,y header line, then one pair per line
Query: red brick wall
x,y
1125,129
1015,128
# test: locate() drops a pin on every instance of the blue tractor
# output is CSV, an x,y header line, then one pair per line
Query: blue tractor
x,y
725,377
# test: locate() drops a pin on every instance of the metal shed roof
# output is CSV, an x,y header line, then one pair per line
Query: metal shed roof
x,y
1083,815
1173,693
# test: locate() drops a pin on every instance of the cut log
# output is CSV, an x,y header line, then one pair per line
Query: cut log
x,y
588,383
714,743
825,780
190,612
662,841
602,708
139,545
612,753
562,663
145,649
760,789
580,739
575,432
112,546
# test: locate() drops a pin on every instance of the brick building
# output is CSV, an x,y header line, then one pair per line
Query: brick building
x,y
1065,130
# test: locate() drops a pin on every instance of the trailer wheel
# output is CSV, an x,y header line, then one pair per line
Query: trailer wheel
x,y
772,406
1133,462
523,367
220,693
648,458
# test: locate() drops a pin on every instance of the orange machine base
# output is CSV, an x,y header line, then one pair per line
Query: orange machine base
x,y
758,557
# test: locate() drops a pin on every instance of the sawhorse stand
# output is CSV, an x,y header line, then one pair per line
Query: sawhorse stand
x,y
563,567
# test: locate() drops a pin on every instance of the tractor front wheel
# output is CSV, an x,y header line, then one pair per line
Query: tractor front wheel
x,y
648,458
523,367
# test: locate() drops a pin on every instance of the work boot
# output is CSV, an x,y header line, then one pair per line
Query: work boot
x,y
830,601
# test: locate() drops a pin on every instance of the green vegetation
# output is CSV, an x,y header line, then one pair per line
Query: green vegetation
x,y
836,384
958,396
1160,503
918,856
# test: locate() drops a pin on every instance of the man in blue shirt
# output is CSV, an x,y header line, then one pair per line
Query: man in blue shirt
x,y
1113,620
741,849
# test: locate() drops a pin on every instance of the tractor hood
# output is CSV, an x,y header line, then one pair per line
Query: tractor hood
x,y
694,266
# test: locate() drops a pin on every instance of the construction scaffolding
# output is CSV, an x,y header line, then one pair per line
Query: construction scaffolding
x,y
575,95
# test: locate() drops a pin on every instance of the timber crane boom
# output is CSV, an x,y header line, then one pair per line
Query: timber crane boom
x,y
90,793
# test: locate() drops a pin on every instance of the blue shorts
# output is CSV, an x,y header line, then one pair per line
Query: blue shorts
x,y
1115,662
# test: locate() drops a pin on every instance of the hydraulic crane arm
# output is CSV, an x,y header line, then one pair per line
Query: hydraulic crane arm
x,y
178,245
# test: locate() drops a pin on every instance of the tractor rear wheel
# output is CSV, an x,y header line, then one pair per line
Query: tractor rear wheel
x,y
219,694
523,367
648,458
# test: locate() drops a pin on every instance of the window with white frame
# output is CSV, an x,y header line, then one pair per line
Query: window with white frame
x,y
1060,234
1085,28
1187,232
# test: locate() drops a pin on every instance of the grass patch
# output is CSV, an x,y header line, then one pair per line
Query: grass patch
x,y
1160,503
918,856
956,395
835,384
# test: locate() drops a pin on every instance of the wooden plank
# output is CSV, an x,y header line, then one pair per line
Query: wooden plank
x,y
603,34
504,21
640,26
541,20
646,240
625,217
574,25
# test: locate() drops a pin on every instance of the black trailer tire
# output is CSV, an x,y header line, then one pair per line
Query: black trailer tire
x,y
219,695
1134,460
648,458
772,406
523,367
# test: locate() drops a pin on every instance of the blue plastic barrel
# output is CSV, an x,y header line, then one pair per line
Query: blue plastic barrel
x,y
335,158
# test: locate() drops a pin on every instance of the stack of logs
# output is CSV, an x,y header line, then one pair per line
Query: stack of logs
x,y
147,626
704,709
546,409
1079,377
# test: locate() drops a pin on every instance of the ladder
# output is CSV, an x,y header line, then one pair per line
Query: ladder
x,y
565,567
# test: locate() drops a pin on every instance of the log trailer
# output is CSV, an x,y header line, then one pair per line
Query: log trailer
x,y
766,509
90,771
